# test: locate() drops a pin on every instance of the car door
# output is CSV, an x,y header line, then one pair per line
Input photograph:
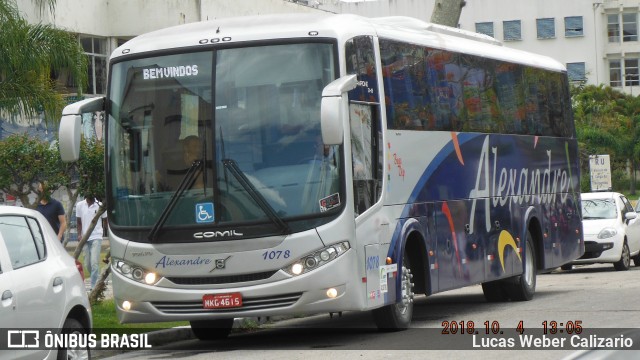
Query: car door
x,y
28,281
633,226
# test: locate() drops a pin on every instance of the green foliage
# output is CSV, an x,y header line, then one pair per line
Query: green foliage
x,y
29,54
608,122
27,161
91,168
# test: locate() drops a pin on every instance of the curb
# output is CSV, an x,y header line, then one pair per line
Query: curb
x,y
166,336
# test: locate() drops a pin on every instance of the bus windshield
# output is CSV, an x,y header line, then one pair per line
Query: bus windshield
x,y
218,137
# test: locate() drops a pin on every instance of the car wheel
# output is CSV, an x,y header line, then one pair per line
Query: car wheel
x,y
72,326
394,317
625,259
211,329
566,267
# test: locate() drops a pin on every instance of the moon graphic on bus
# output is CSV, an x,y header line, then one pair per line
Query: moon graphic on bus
x,y
505,240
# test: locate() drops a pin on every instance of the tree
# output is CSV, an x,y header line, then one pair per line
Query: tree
x,y
27,161
607,121
29,55
92,181
447,12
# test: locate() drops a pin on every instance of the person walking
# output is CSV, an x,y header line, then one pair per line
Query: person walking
x,y
52,210
86,210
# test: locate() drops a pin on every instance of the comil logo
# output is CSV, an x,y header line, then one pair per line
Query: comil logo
x,y
23,339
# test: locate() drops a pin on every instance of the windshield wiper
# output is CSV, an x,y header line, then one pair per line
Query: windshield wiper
x,y
187,181
233,168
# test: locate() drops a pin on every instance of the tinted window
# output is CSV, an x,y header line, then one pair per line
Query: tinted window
x,y
433,89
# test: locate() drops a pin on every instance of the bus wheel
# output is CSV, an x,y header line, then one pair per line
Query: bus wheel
x,y
494,291
211,329
394,317
522,287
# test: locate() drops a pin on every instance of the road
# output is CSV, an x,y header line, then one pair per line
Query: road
x,y
594,297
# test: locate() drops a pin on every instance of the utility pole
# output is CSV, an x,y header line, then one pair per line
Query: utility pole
x,y
447,12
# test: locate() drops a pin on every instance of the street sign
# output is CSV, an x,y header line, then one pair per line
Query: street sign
x,y
600,169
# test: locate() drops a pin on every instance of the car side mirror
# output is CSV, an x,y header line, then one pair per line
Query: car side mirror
x,y
630,215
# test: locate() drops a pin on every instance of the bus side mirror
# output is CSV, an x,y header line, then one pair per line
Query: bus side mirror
x,y
333,109
70,124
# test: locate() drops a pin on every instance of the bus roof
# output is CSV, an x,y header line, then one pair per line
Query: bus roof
x,y
339,26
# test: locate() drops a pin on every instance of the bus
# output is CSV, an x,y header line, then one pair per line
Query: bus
x,y
342,163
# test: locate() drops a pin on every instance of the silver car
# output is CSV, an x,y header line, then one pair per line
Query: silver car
x,y
41,286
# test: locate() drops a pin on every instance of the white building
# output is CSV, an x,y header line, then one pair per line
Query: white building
x,y
597,40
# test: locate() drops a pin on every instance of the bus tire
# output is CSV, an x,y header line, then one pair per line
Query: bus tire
x,y
494,291
522,287
395,317
211,329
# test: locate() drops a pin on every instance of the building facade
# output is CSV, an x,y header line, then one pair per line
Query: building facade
x,y
597,40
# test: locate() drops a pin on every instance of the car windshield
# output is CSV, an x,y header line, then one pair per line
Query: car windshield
x,y
249,116
599,209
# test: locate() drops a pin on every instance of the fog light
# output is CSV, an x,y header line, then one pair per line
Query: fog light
x,y
150,278
126,305
332,293
296,269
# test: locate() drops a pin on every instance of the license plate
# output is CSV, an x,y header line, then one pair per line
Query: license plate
x,y
222,301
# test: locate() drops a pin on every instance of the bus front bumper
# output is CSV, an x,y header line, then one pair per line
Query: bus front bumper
x,y
303,294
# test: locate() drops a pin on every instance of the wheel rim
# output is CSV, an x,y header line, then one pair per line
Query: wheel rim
x,y
528,272
407,291
625,255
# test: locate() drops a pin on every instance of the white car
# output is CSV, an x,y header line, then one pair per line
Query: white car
x,y
611,230
41,286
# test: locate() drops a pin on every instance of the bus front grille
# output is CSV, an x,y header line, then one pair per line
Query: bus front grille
x,y
216,280
248,304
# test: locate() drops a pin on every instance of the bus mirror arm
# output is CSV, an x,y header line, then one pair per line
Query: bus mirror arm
x,y
332,109
70,123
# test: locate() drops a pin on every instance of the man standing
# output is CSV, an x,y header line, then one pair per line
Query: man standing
x,y
86,210
52,210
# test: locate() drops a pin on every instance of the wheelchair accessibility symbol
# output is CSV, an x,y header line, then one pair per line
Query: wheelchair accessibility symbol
x,y
204,213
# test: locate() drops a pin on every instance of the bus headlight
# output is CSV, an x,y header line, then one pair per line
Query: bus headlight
x,y
135,272
316,259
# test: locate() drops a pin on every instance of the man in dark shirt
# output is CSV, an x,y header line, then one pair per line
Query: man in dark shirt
x,y
53,211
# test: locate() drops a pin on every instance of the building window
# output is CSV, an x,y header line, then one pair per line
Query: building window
x,y
573,26
613,28
615,73
485,28
631,72
512,30
546,28
576,71
629,27
96,50
622,26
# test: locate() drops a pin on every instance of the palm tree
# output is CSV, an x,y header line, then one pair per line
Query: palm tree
x,y
29,55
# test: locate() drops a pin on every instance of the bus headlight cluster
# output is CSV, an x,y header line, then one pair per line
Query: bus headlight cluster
x,y
316,259
135,272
